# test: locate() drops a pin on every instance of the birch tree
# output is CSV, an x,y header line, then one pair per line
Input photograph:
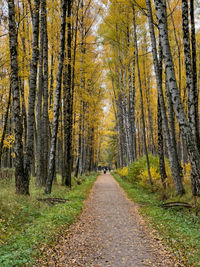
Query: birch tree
x,y
40,159
175,171
51,168
184,125
45,125
20,180
32,93
68,104
141,101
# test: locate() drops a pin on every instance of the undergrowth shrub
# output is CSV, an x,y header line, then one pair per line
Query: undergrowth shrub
x,y
135,169
138,169
144,177
122,172
187,171
137,172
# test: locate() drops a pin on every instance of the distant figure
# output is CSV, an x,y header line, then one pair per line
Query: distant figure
x,y
104,170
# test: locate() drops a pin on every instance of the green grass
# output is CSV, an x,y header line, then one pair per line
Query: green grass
x,y
27,225
178,228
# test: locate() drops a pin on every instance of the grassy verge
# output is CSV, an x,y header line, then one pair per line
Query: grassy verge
x,y
27,225
178,228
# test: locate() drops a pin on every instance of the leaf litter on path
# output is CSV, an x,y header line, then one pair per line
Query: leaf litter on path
x,y
109,232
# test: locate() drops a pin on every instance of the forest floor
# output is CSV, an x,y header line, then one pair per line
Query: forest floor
x,y
29,225
110,232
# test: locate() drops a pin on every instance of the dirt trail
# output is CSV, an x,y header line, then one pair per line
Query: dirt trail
x,y
110,232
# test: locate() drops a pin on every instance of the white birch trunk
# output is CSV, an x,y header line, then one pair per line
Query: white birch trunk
x,y
185,128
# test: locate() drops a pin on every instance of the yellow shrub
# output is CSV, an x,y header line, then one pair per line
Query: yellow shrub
x,y
188,167
154,174
169,180
187,171
144,177
9,141
122,172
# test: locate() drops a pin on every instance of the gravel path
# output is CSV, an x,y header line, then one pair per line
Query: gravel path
x,y
110,232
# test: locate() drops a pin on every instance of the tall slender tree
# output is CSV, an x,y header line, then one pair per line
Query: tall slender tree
x,y
20,179
68,104
191,87
40,159
45,98
51,170
31,98
141,100
185,127
5,123
175,171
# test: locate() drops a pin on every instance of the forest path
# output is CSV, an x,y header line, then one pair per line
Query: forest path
x,y
110,232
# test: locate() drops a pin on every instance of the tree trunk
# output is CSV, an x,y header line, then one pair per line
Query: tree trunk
x,y
32,92
123,115
82,154
178,47
141,100
138,138
160,132
133,111
194,72
176,178
45,100
91,151
5,124
121,131
51,170
78,157
171,119
20,180
131,103
81,126
160,147
147,89
73,75
23,78
39,179
126,121
185,127
190,76
62,141
116,112
68,104
51,81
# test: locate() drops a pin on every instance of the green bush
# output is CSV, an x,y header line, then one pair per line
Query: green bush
x,y
135,169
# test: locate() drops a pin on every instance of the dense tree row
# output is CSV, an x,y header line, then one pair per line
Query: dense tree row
x,y
154,113
51,93
55,85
